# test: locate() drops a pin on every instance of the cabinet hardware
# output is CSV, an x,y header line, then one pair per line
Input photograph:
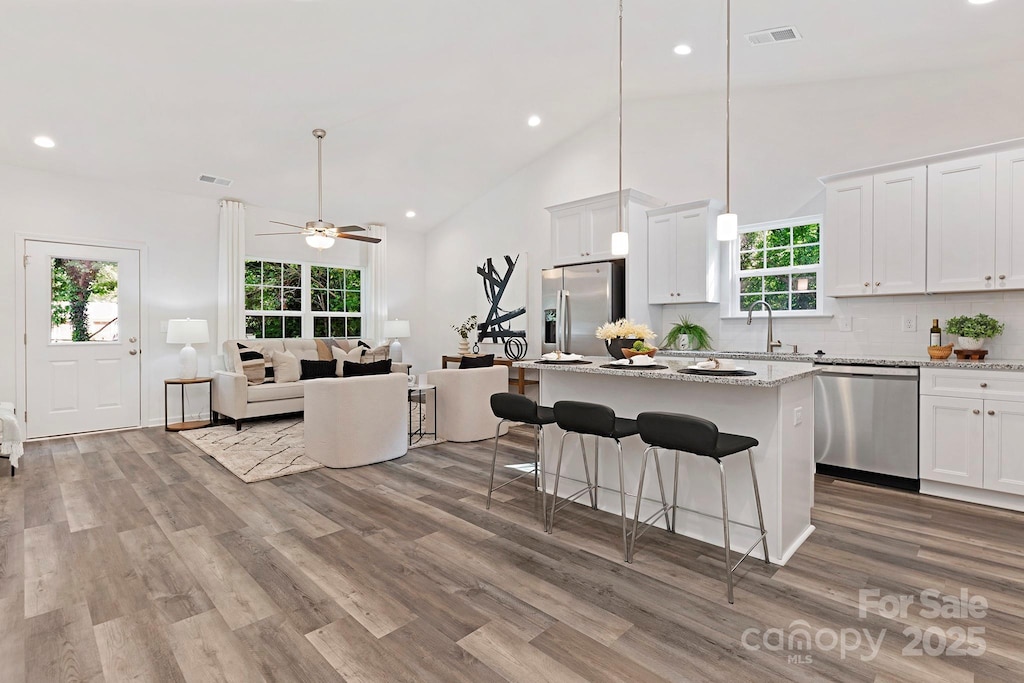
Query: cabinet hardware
x,y
867,284
988,277
977,412
991,412
678,294
878,284
1002,277
984,385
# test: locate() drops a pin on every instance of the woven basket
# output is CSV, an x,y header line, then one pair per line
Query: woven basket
x,y
940,352
629,353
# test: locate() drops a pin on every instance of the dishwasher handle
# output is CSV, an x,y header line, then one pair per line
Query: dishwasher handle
x,y
867,371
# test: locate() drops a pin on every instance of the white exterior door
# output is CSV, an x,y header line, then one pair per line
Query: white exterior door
x,y
661,259
1004,457
81,338
899,233
1010,220
847,237
962,225
952,440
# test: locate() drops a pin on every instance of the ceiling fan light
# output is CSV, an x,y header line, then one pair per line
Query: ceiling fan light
x,y
319,241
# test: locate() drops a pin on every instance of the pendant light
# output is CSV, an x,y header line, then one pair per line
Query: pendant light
x,y
620,238
728,222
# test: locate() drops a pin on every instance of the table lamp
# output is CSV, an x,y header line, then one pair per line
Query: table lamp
x,y
188,332
395,330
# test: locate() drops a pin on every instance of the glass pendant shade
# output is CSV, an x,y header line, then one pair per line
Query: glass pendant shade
x,y
620,243
319,241
728,227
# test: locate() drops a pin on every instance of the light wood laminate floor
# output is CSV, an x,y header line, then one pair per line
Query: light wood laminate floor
x,y
132,556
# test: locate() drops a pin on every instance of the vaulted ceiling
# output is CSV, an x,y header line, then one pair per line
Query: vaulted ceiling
x,y
424,101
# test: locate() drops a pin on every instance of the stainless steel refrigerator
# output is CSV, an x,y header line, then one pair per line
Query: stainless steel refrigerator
x,y
576,300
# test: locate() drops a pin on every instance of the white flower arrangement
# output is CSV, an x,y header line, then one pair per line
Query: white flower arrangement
x,y
624,329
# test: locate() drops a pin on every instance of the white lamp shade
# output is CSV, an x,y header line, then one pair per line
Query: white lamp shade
x,y
396,329
728,227
318,240
620,243
187,331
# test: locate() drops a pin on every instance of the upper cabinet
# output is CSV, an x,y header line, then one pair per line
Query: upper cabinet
x,y
581,231
683,254
949,223
874,234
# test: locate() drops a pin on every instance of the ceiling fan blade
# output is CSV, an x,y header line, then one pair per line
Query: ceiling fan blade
x,y
346,236
268,234
349,228
290,225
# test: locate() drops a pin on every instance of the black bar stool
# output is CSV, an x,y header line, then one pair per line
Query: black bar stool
x,y
577,417
676,432
516,408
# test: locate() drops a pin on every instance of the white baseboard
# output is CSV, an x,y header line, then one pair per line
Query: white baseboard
x,y
159,421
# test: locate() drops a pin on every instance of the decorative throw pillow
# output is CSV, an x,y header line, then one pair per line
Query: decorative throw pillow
x,y
343,357
286,367
381,367
477,362
253,364
376,354
318,369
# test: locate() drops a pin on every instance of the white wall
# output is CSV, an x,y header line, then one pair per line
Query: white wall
x,y
784,139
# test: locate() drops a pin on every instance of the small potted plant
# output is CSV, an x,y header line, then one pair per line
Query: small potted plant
x,y
623,334
972,331
687,335
464,329
639,348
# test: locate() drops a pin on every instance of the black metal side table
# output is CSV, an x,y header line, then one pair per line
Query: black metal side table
x,y
418,395
183,425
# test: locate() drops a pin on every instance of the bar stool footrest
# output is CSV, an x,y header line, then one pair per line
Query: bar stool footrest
x,y
749,550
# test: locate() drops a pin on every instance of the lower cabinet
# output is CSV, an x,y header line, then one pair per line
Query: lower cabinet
x,y
968,440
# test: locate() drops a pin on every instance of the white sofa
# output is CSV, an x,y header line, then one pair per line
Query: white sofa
x,y
463,409
234,397
357,420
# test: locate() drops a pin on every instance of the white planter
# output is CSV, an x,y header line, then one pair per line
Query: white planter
x,y
970,343
683,344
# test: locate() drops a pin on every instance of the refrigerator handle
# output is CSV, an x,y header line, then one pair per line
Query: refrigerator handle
x,y
567,322
558,319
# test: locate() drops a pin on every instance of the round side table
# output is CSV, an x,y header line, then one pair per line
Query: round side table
x,y
183,425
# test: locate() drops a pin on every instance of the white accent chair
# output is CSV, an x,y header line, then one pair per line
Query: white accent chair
x,y
355,421
463,407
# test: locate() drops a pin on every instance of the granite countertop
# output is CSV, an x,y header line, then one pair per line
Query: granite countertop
x,y
883,361
769,374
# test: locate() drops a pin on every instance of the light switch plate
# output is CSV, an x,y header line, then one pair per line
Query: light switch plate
x,y
908,323
845,323
798,416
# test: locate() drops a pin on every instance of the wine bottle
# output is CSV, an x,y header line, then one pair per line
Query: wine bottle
x,y
936,333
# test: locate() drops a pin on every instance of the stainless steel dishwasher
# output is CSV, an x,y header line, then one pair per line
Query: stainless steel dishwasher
x,y
865,424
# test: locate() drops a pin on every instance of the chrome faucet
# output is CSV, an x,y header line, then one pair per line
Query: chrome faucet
x,y
772,345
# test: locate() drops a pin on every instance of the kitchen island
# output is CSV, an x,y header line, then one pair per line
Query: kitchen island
x,y
775,406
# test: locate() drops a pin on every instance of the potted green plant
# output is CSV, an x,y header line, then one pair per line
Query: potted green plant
x,y
623,334
464,329
688,335
974,330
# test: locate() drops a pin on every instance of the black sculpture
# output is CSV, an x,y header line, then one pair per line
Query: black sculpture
x,y
497,325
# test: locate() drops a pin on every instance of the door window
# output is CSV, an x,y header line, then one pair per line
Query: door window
x,y
83,301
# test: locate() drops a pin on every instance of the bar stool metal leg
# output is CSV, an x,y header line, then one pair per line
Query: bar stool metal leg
x,y
757,499
663,512
622,502
494,461
725,527
675,492
558,475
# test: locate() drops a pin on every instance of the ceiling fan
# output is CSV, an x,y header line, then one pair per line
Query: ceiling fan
x,y
321,234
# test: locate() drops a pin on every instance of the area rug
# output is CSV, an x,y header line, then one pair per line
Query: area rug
x,y
263,449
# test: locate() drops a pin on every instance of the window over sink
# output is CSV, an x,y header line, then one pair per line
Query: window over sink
x,y
779,262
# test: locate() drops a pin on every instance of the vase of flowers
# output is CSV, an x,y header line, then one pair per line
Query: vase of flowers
x,y
464,329
623,334
972,331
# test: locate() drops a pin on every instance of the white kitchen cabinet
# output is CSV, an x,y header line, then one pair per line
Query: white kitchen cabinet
x,y
683,254
1009,270
962,224
952,440
1004,456
874,234
581,231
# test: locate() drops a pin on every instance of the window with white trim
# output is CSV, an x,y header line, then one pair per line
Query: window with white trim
x,y
779,262
302,300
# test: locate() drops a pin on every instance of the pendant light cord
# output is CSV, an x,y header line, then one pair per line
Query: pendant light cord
x,y
319,178
619,212
728,106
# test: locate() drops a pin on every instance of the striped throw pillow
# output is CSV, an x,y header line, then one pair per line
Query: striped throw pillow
x,y
254,365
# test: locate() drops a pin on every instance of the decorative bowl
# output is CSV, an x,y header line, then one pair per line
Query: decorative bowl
x,y
940,352
629,353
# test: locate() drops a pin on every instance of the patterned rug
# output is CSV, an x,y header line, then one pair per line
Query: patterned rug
x,y
266,449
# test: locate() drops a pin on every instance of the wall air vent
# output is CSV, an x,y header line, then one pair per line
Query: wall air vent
x,y
783,34
214,180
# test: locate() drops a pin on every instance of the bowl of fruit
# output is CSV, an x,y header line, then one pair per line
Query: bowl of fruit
x,y
639,348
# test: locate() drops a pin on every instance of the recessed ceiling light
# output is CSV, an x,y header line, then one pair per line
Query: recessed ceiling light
x,y
682,49
410,214
533,121
980,2
44,141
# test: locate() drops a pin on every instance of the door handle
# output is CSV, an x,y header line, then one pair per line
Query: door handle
x,y
567,323
132,352
132,340
559,319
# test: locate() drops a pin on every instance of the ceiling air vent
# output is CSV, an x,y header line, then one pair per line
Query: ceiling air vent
x,y
214,180
769,36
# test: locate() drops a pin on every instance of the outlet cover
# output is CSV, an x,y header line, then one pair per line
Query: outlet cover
x,y
845,323
908,323
798,416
